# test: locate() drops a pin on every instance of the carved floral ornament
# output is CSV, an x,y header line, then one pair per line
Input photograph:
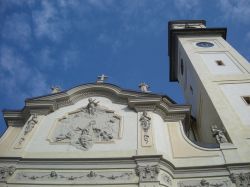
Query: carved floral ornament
x,y
86,126
148,172
80,177
241,179
6,171
205,183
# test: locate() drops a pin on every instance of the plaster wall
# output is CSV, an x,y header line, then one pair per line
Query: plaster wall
x,y
234,94
227,68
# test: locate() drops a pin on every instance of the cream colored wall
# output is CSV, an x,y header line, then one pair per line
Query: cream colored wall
x,y
128,142
211,90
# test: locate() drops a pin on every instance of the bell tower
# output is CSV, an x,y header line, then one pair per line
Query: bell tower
x,y
215,80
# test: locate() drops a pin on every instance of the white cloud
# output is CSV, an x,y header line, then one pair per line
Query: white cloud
x,y
236,10
48,23
18,79
17,29
188,8
70,58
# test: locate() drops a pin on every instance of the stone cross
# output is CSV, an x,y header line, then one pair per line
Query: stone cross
x,y
144,87
101,79
55,89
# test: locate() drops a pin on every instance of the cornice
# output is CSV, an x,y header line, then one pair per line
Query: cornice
x,y
138,101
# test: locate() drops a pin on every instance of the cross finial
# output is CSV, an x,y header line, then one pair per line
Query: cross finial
x,y
144,87
101,79
55,89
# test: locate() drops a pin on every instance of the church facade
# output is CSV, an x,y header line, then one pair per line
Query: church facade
x,y
102,135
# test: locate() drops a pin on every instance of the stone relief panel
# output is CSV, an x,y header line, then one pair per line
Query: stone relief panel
x,y
86,126
241,179
146,132
29,126
205,183
75,177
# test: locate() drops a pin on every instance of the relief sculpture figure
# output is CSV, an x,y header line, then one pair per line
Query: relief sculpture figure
x,y
86,126
219,134
91,107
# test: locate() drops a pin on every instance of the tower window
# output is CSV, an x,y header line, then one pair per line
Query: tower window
x,y
182,67
246,99
219,63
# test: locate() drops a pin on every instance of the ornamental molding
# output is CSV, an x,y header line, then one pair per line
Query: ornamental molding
x,y
6,172
138,101
74,177
28,128
147,173
205,183
146,130
86,126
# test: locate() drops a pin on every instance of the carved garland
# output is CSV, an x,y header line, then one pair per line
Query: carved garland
x,y
90,176
6,172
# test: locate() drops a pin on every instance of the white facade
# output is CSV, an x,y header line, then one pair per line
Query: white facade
x,y
99,134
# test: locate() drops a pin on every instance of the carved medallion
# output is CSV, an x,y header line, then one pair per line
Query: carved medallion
x,y
86,126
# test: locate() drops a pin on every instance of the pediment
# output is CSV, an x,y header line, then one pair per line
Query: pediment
x,y
137,101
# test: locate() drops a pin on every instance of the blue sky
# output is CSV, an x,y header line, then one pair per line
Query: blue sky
x,y
67,43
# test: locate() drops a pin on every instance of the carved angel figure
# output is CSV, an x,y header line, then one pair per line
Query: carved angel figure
x,y
145,121
91,107
219,134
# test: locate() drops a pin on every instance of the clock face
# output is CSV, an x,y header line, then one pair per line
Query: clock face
x,y
204,44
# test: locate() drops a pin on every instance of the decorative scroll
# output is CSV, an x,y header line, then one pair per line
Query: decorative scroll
x,y
6,172
146,133
148,173
27,129
204,183
241,180
75,177
165,179
87,126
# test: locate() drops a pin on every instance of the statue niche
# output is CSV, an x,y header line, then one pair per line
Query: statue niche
x,y
86,126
